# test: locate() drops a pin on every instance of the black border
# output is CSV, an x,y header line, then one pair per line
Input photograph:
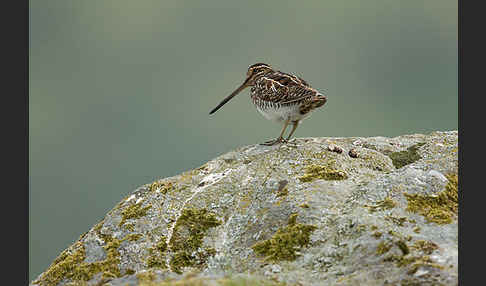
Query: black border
x,y
471,62
14,22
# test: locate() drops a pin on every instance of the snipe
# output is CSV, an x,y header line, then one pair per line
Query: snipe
x,y
279,96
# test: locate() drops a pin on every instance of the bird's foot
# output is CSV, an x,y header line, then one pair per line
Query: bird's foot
x,y
292,142
274,141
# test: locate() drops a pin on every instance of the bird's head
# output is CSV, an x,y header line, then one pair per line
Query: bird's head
x,y
254,71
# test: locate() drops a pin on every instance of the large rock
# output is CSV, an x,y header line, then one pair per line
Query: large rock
x,y
316,211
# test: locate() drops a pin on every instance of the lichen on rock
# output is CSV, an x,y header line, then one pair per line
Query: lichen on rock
x,y
314,172
285,243
134,211
385,204
65,266
403,158
157,254
71,264
439,208
425,246
188,236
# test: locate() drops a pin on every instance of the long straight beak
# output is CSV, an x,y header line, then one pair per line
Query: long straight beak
x,y
238,90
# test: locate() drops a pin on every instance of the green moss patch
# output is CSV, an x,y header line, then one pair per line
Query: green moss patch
x,y
163,187
407,157
145,277
161,246
180,260
187,238
133,237
377,234
414,262
134,211
440,208
315,172
157,254
407,259
425,246
385,204
383,248
283,192
304,206
130,226
400,221
155,262
284,244
64,266
70,264
403,247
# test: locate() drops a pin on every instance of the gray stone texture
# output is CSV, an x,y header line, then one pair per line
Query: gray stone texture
x,y
201,225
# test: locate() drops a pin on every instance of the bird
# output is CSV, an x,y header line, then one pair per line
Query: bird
x,y
280,97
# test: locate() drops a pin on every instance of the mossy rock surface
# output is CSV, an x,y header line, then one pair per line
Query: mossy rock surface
x,y
293,214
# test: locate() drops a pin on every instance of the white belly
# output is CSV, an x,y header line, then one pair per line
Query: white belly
x,y
282,114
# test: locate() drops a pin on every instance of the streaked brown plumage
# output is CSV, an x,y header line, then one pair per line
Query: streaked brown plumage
x,y
279,96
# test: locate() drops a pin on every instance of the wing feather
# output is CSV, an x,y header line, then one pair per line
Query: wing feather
x,y
282,88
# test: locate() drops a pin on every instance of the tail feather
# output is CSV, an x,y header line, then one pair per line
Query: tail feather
x,y
312,104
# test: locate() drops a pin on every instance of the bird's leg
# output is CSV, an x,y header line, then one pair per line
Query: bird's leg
x,y
280,139
294,126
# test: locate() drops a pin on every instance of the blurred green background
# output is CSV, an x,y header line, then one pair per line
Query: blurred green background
x,y
120,90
